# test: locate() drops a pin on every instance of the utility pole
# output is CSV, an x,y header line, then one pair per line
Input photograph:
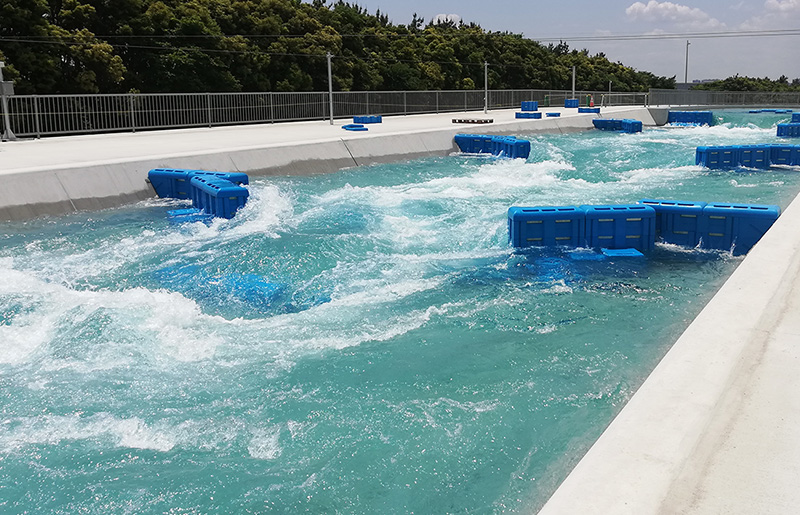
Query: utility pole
x,y
485,87
686,70
609,86
330,85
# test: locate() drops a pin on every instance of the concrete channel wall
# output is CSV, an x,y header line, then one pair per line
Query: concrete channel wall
x,y
60,175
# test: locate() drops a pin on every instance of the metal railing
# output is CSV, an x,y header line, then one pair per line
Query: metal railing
x,y
670,97
48,115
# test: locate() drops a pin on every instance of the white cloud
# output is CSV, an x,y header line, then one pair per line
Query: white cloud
x,y
783,5
684,15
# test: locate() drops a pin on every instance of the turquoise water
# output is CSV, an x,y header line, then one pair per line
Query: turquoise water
x,y
360,342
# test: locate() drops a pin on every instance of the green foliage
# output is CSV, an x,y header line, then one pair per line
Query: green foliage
x,y
737,83
69,46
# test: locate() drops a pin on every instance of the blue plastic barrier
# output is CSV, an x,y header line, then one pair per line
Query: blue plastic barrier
x,y
217,197
527,114
621,226
788,130
175,182
589,110
754,156
718,157
546,226
506,146
677,221
354,127
691,117
624,253
367,119
613,124
552,115
735,226
531,105
796,118
571,102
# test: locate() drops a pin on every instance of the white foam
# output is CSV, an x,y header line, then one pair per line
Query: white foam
x,y
265,443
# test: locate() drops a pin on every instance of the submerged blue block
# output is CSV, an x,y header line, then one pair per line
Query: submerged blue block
x,y
788,130
735,226
620,226
546,226
531,105
218,197
175,182
571,102
535,116
625,253
588,109
795,117
691,117
367,119
677,221
190,215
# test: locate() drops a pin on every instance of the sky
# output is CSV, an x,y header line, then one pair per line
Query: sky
x,y
709,58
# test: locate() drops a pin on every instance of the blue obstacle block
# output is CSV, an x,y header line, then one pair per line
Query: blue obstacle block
x,y
631,126
176,182
506,146
718,157
726,226
529,105
754,156
367,119
218,197
546,226
620,226
691,117
787,155
795,117
552,115
354,127
595,110
788,130
677,221
571,103
534,116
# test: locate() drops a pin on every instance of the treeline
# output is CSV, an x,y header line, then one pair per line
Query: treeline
x,y
737,83
108,46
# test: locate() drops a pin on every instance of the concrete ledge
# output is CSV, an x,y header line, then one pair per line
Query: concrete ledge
x,y
714,428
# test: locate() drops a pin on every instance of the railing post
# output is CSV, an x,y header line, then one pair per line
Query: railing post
x,y
465,100
36,119
330,85
405,104
367,103
133,115
437,101
208,108
271,108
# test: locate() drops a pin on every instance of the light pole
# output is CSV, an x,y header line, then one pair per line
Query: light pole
x,y
609,86
330,85
686,70
485,87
